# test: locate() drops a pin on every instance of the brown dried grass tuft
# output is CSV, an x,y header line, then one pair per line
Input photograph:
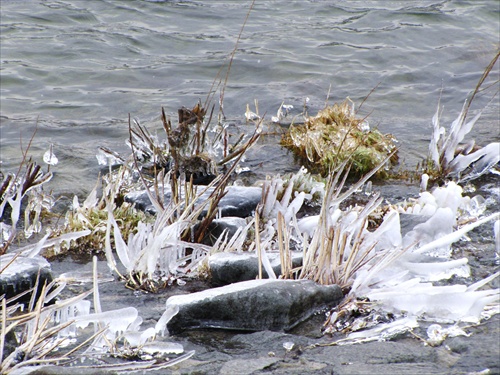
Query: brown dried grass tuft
x,y
337,134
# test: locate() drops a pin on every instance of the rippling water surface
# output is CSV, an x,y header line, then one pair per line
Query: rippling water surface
x,y
77,68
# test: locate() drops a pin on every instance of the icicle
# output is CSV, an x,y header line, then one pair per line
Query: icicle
x,y
161,325
49,156
496,230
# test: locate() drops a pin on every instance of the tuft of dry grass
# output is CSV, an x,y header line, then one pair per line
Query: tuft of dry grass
x,y
337,249
336,134
50,333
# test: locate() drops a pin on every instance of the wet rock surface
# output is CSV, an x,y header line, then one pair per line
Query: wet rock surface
x,y
254,305
239,201
280,353
228,268
217,227
264,353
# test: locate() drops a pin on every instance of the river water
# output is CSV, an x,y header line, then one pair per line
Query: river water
x,y
75,69
78,68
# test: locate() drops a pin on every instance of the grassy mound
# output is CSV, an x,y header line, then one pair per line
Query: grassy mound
x,y
335,134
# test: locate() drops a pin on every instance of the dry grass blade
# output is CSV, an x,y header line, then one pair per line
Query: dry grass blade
x,y
337,249
228,70
9,262
257,241
154,200
284,247
486,73
2,329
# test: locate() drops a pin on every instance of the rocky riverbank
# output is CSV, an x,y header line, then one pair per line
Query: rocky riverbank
x,y
304,349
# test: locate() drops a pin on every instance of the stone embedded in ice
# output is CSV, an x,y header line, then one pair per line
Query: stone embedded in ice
x,y
239,201
409,221
21,274
253,305
228,268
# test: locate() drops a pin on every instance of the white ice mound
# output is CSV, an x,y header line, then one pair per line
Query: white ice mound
x,y
399,277
442,303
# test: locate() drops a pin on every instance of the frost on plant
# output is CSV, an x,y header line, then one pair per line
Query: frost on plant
x,y
14,188
399,277
61,327
155,253
448,158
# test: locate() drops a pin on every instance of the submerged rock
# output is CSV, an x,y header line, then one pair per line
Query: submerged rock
x,y
254,305
230,224
239,201
22,274
228,268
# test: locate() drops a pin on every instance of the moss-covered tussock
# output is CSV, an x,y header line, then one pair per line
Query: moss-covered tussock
x,y
335,134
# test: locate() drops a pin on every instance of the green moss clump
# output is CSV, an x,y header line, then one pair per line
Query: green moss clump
x,y
335,134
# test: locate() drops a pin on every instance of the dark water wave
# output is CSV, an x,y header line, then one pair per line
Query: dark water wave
x,y
80,67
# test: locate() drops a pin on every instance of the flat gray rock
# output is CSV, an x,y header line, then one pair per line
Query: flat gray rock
x,y
239,201
247,366
228,268
254,305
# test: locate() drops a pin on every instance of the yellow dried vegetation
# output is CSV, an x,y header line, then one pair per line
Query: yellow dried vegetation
x,y
336,134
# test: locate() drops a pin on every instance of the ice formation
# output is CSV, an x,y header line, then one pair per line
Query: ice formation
x,y
156,249
463,165
400,279
49,157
